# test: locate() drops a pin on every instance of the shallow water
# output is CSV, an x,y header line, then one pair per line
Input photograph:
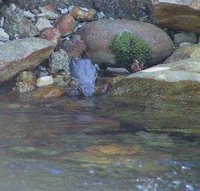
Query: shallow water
x,y
99,144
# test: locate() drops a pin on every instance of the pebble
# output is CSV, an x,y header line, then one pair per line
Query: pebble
x,y
3,35
100,15
63,11
2,19
42,24
48,15
44,81
29,15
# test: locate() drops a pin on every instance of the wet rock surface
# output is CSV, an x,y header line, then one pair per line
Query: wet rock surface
x,y
177,81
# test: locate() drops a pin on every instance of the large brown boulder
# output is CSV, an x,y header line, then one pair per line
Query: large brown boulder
x,y
178,14
98,34
19,55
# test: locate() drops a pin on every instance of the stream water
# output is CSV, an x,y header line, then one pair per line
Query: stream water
x,y
99,144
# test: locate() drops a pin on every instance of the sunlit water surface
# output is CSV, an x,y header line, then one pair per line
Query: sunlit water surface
x,y
99,144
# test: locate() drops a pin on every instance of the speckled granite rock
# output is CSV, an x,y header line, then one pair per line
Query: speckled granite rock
x,y
22,54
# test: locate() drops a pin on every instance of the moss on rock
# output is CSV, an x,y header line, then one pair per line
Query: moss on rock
x,y
128,47
183,90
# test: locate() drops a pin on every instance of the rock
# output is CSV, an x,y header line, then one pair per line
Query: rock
x,y
185,37
3,36
74,47
185,44
22,54
84,73
51,34
44,81
42,24
82,14
47,8
59,3
62,81
125,9
97,36
59,61
174,81
104,84
29,15
190,51
63,11
117,71
47,92
17,24
25,82
178,14
48,15
66,24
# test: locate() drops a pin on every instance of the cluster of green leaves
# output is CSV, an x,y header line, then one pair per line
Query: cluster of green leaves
x,y
128,47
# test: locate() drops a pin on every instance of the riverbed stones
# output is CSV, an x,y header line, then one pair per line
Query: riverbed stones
x,y
176,81
17,24
178,14
22,54
98,34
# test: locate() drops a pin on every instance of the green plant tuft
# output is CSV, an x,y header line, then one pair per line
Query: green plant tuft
x,y
127,47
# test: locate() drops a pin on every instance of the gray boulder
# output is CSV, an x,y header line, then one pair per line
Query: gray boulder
x,y
22,54
97,36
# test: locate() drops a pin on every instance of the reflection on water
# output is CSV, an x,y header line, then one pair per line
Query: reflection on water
x,y
99,144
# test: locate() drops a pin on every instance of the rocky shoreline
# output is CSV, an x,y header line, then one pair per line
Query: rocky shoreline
x,y
38,43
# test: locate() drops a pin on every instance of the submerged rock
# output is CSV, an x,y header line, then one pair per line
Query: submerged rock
x,y
25,82
22,54
47,92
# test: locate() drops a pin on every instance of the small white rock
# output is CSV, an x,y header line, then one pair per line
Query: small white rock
x,y
29,15
42,24
3,36
70,8
13,7
44,81
48,15
63,11
2,19
101,15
